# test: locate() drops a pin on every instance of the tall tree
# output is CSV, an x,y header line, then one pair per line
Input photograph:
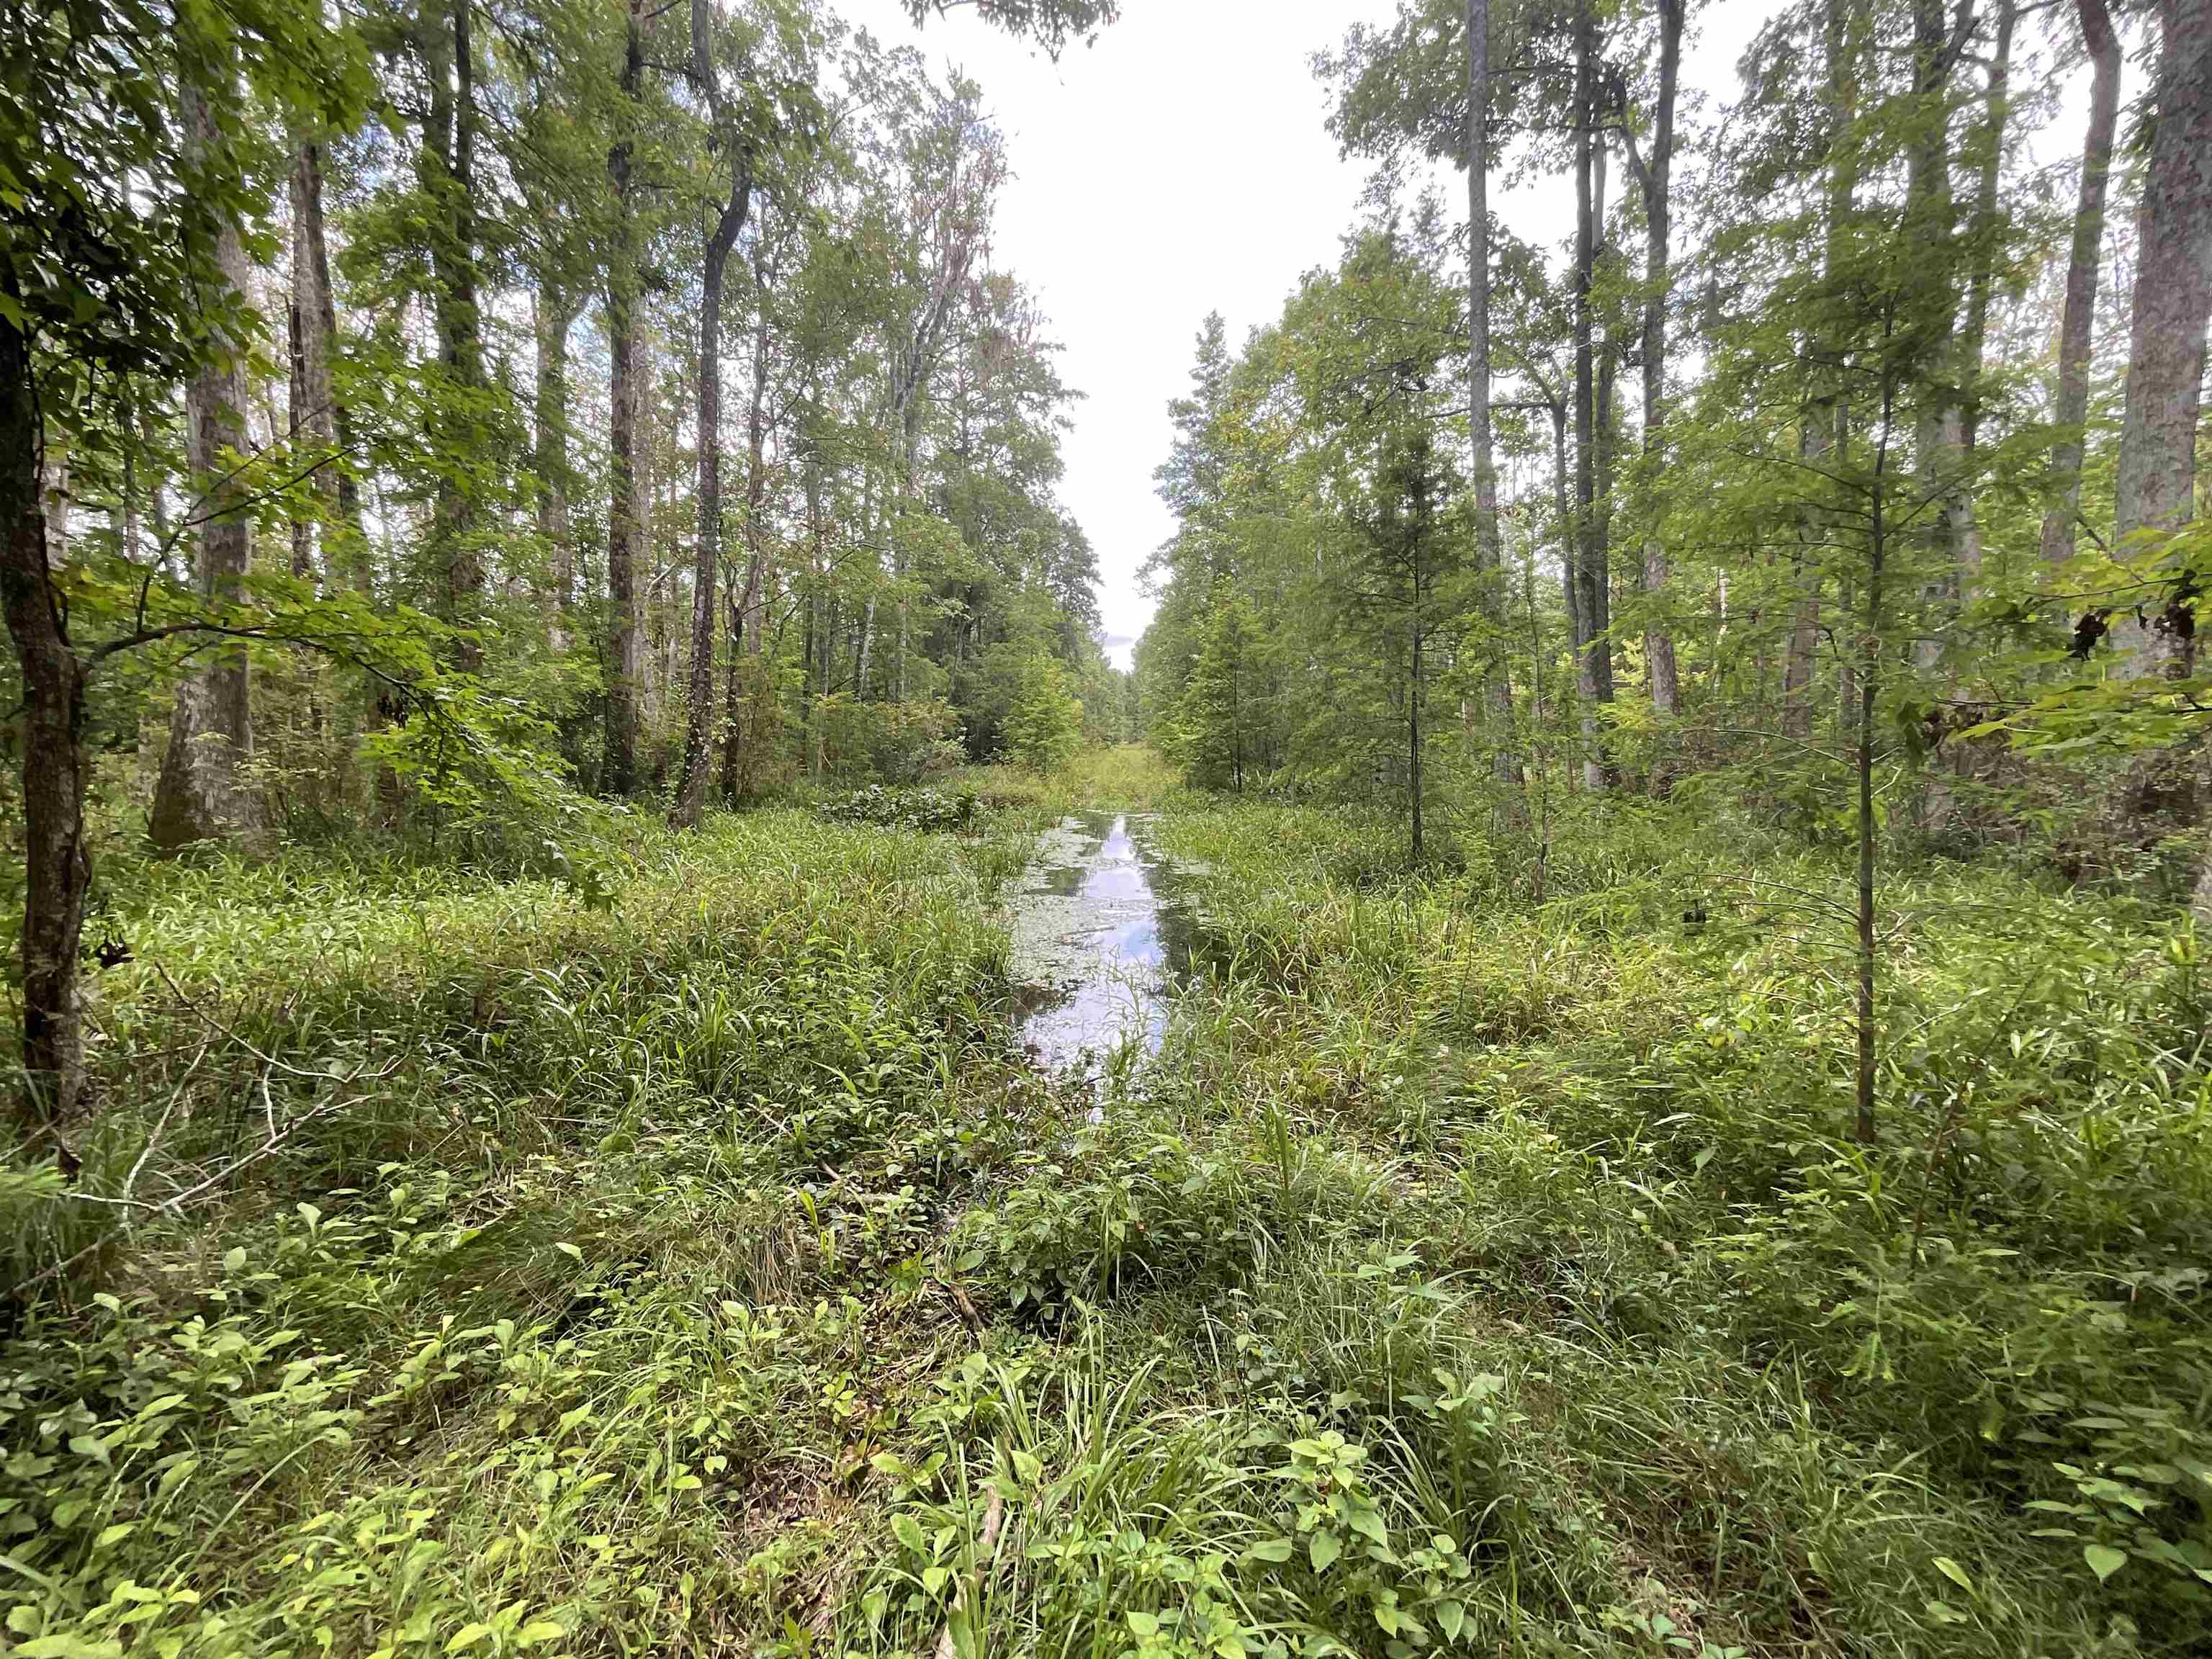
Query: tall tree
x,y
1654,176
201,794
2084,263
2157,477
1481,437
626,507
1593,574
448,172
320,420
738,150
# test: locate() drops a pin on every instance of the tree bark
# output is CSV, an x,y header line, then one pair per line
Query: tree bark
x,y
1982,280
318,412
1496,688
1808,566
2157,479
448,166
57,872
747,620
698,738
2083,267
1593,650
1930,221
200,794
1655,177
619,770
553,313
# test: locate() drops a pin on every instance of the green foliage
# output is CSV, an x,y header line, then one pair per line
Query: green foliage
x,y
1043,722
925,810
1464,1272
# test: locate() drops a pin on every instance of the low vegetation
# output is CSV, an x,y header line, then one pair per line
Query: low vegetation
x,y
688,1263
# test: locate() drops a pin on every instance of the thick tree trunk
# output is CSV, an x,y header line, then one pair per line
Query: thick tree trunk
x,y
56,870
2157,478
2083,265
618,770
200,795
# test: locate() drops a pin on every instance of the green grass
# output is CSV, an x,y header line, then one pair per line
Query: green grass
x,y
1465,1276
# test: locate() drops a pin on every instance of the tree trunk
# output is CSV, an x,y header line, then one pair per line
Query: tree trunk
x,y
56,871
1808,564
1593,651
449,176
199,795
1655,177
297,433
1869,693
1982,280
747,620
619,771
2083,266
1497,686
2157,477
698,737
553,312
1939,440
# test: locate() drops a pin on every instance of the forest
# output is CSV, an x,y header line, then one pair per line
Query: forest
x,y
627,1034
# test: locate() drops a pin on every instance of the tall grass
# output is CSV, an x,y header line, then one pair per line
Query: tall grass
x,y
679,1258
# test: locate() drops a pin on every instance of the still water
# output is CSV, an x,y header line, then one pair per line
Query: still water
x,y
1097,935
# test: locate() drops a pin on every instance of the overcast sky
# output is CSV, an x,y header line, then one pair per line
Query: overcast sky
x,y
1180,165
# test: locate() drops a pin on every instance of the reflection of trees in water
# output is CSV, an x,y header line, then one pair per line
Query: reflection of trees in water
x,y
1095,932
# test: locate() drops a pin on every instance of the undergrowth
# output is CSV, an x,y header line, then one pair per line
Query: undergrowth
x,y
683,1261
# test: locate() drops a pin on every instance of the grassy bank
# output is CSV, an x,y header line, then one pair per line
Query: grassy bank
x,y
683,1262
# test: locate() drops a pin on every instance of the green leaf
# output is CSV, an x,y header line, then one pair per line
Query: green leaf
x,y
908,1531
1272,1549
1451,1618
63,1645
467,1637
1322,1549
2104,1560
1957,1574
